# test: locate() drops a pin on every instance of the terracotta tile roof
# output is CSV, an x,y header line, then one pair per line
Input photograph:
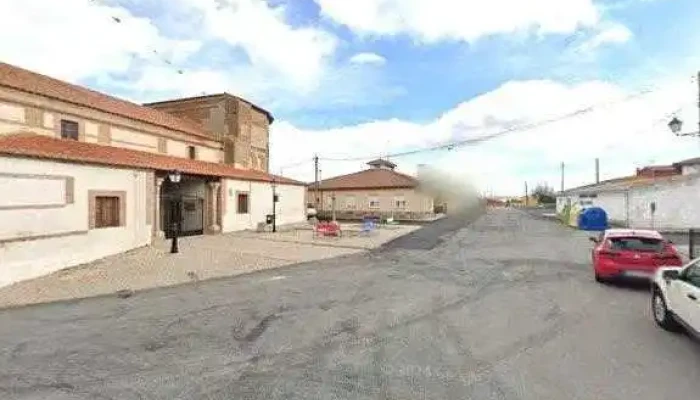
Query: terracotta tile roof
x,y
28,144
369,179
630,182
603,184
27,81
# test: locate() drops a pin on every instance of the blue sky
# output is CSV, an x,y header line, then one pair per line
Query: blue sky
x,y
371,77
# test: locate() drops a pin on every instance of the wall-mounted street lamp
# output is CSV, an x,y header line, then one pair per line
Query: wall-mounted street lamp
x,y
174,177
676,125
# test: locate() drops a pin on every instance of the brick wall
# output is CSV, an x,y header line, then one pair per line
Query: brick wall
x,y
243,129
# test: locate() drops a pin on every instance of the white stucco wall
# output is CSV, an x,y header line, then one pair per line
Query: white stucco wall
x,y
290,208
676,205
690,169
562,201
614,204
29,258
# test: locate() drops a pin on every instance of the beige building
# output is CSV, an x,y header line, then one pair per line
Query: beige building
x,y
378,191
84,175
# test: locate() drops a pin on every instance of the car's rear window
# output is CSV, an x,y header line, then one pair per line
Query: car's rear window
x,y
636,244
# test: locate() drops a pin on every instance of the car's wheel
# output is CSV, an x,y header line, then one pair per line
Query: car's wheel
x,y
661,314
599,278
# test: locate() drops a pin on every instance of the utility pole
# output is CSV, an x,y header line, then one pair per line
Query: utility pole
x,y
527,201
316,183
562,177
597,170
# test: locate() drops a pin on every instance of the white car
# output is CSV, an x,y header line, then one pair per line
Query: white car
x,y
675,300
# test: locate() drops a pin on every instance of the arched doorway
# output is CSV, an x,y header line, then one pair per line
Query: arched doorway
x,y
183,203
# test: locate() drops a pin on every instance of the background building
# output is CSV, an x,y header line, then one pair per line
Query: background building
x,y
657,197
377,191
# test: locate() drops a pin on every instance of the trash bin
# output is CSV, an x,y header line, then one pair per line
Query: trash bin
x,y
593,219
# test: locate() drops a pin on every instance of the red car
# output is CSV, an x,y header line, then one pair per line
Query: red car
x,y
628,253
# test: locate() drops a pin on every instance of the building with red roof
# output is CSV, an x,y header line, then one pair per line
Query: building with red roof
x,y
84,175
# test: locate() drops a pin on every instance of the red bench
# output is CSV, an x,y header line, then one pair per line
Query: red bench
x,y
327,229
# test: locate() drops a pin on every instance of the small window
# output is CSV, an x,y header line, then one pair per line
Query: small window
x,y
70,130
692,275
192,152
107,209
242,206
350,203
400,202
373,202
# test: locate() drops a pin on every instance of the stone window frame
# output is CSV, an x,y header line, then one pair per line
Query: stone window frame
x,y
374,199
64,122
238,207
69,187
402,199
350,202
92,203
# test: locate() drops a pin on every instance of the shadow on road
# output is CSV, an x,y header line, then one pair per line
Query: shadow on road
x,y
631,285
432,234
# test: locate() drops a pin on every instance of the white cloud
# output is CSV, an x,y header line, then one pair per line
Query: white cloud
x,y
624,131
466,20
298,54
76,39
368,58
612,33
243,46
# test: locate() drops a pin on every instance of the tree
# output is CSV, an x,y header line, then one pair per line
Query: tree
x,y
544,194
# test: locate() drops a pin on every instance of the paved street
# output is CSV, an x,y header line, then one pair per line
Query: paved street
x,y
502,308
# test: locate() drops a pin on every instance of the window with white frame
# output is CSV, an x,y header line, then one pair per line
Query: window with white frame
x,y
373,202
350,203
399,202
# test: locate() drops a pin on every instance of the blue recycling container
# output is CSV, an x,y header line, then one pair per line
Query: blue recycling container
x,y
593,219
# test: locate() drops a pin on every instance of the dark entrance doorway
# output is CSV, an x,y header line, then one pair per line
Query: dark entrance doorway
x,y
183,203
187,210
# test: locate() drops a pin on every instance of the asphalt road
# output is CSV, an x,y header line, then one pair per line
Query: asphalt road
x,y
504,308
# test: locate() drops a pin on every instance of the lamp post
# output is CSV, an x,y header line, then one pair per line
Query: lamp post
x,y
174,177
275,198
333,205
676,125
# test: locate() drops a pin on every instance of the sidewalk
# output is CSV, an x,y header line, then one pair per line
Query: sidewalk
x,y
200,258
352,237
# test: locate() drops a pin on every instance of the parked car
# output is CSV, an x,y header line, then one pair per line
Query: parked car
x,y
628,253
675,298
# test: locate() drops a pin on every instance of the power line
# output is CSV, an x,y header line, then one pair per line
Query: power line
x,y
477,140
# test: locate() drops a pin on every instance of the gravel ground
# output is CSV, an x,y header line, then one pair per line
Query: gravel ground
x,y
502,308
